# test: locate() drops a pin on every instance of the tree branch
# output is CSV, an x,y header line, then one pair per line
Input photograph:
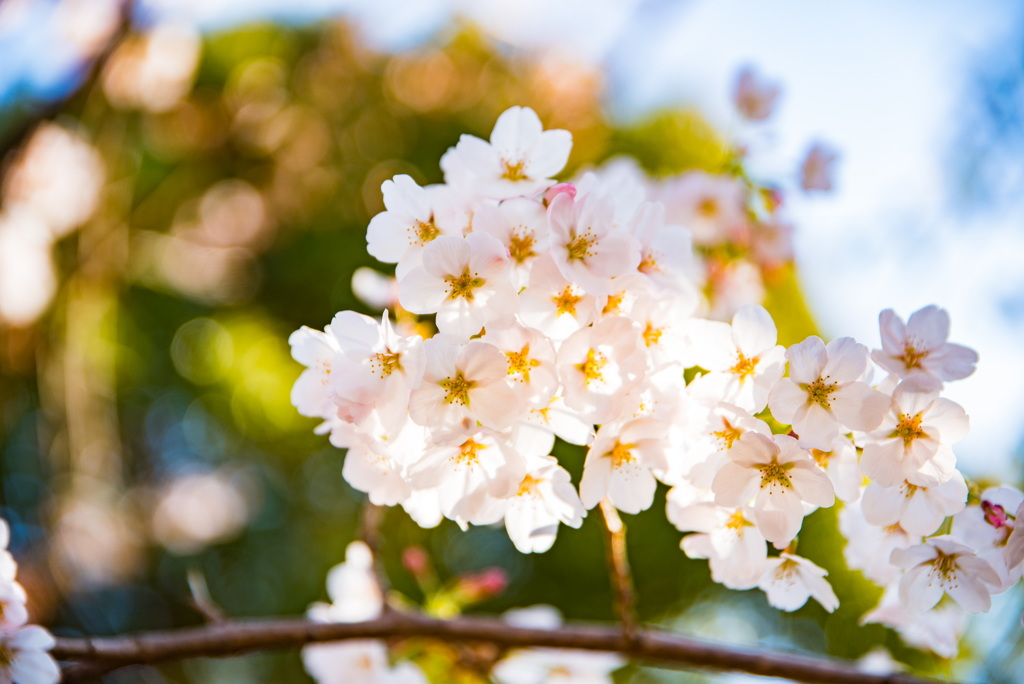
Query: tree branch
x,y
97,655
618,568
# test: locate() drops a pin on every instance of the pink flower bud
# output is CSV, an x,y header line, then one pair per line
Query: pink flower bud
x,y
415,560
818,170
556,190
480,586
754,96
995,515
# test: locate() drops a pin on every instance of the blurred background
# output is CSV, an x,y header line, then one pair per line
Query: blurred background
x,y
185,183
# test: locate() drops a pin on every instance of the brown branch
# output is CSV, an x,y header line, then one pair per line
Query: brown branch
x,y
92,656
618,567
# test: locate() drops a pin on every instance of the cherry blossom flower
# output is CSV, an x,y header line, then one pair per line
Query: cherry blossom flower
x,y
711,207
913,441
521,225
619,465
779,477
24,658
937,630
599,365
754,95
943,565
355,596
555,666
727,537
463,280
585,244
790,580
743,359
414,218
918,510
818,169
531,363
463,383
842,464
553,304
988,528
823,395
519,161
544,498
920,347
869,547
318,351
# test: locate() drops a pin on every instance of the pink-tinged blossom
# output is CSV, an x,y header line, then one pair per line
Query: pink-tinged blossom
x,y
920,347
13,612
599,365
551,665
544,498
414,218
742,359
938,630
319,352
727,537
24,656
666,251
562,421
585,244
711,207
918,510
532,373
868,547
519,161
1015,544
818,169
913,441
823,396
789,580
754,95
842,464
619,464
473,477
355,596
943,565
461,385
379,369
521,225
710,431
464,281
779,477
989,528
554,304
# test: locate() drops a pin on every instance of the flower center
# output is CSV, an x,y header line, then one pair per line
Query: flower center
x,y
773,474
708,208
912,356
621,454
468,452
457,389
613,303
520,247
521,363
728,434
386,362
513,172
528,486
591,368
818,393
909,490
736,521
944,566
579,247
463,285
425,231
566,301
744,367
908,429
652,335
649,265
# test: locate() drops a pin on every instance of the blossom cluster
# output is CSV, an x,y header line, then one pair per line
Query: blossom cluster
x,y
23,647
587,311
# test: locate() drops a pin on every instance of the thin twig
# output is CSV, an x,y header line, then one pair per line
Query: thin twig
x,y
369,532
618,567
201,599
92,655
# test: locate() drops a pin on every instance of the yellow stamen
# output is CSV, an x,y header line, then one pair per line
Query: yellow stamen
x,y
386,363
521,363
591,368
463,285
621,454
457,389
775,473
513,172
744,367
566,301
425,231
819,391
908,429
520,247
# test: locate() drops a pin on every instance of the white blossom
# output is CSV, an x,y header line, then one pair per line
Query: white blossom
x,y
920,346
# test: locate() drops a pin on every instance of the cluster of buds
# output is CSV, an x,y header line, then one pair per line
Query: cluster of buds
x,y
23,647
579,311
